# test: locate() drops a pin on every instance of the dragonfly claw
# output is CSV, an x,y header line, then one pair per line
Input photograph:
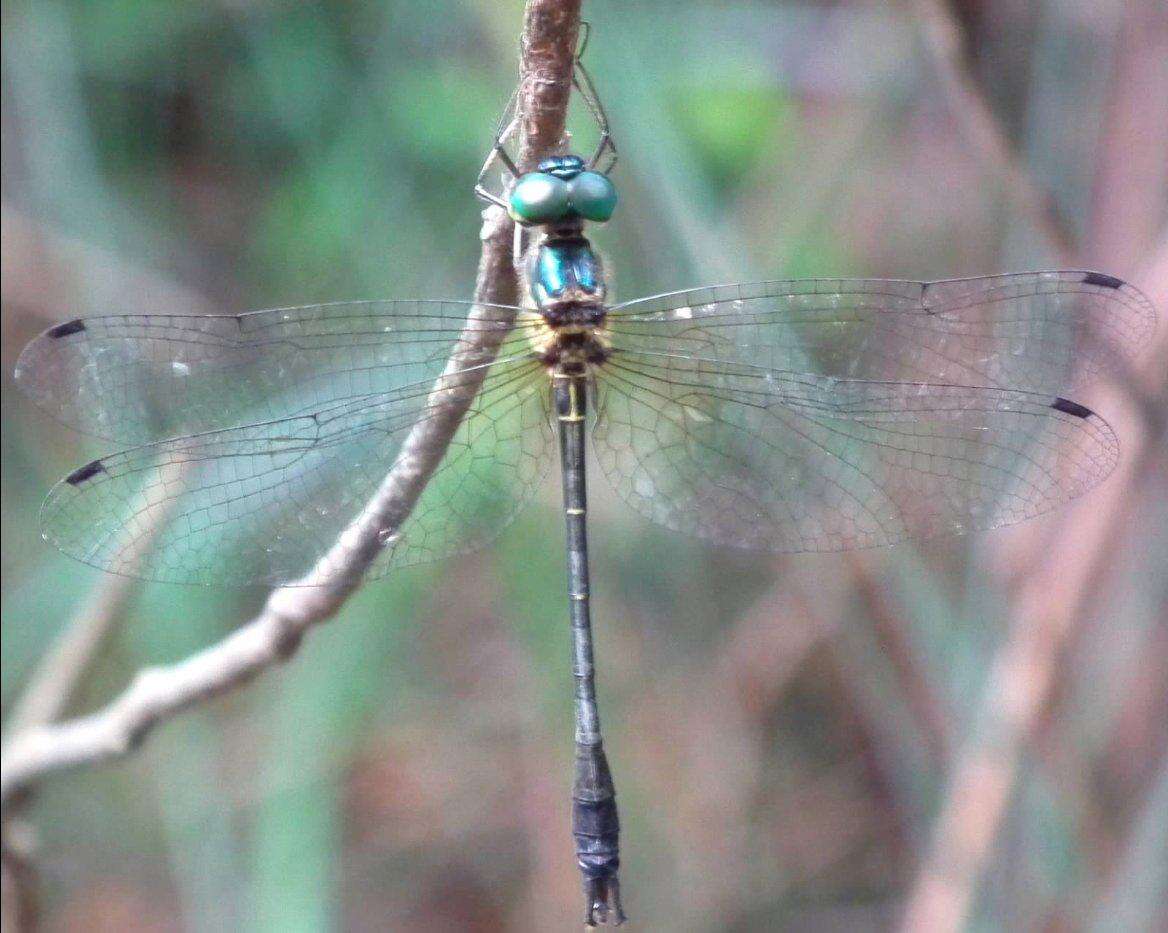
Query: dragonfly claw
x,y
602,896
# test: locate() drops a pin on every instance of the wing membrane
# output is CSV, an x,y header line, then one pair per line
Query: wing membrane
x,y
757,458
1040,332
262,502
793,416
136,378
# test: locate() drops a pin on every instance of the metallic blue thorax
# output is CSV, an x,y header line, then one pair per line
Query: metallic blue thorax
x,y
566,271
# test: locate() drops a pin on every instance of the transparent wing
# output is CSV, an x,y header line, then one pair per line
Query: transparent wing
x,y
261,503
136,378
758,458
1036,331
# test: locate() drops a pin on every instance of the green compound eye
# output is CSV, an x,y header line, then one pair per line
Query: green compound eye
x,y
593,196
539,198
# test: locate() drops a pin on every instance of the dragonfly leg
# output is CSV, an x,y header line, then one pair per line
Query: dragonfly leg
x,y
582,81
595,825
508,125
603,159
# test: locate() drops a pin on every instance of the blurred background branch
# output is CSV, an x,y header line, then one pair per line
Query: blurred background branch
x,y
259,155
549,40
1062,584
33,256
36,745
1065,573
942,38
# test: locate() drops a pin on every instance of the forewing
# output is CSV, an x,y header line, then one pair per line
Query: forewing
x,y
757,458
1044,332
262,503
136,378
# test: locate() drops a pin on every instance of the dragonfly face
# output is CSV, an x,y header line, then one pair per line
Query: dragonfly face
x,y
561,189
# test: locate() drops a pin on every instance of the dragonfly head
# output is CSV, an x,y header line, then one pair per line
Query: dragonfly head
x,y
561,189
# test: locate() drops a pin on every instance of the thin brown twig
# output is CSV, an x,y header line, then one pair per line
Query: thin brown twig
x,y
157,694
54,682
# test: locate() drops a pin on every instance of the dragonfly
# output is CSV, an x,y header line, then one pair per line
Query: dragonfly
x,y
791,416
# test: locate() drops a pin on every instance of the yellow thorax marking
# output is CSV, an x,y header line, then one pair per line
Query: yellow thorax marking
x,y
543,337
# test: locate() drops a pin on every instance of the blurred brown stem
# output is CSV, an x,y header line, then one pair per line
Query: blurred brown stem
x,y
549,41
1064,571
55,681
1061,586
912,677
941,36
50,690
44,272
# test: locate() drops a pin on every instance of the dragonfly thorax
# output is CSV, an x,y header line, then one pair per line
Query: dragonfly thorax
x,y
565,279
574,350
564,272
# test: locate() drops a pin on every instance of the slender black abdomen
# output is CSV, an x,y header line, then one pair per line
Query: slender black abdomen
x,y
594,815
